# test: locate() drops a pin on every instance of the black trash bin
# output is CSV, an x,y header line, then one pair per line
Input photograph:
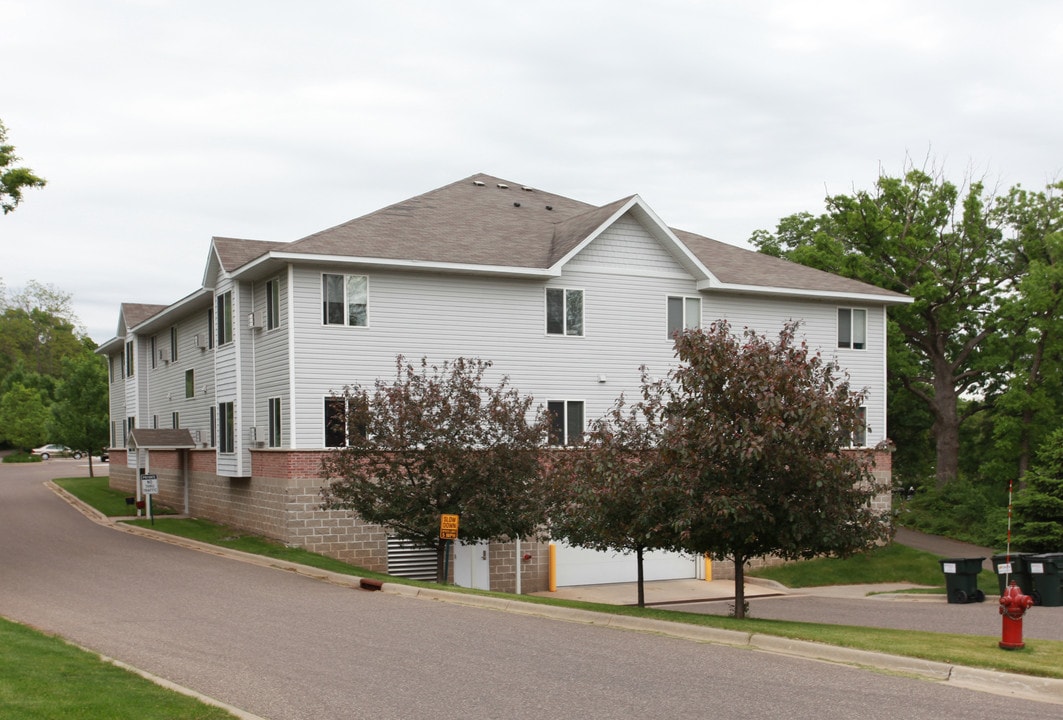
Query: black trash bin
x,y
961,579
1046,571
1013,567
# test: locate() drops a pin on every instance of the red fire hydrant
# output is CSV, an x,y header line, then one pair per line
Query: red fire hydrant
x,y
1013,605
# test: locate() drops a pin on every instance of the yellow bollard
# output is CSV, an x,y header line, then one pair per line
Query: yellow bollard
x,y
552,572
708,569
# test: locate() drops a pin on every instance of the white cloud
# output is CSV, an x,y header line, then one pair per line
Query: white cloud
x,y
159,123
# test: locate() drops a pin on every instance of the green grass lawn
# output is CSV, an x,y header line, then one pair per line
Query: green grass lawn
x,y
112,503
888,564
43,677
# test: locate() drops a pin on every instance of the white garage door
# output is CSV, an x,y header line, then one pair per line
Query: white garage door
x,y
580,566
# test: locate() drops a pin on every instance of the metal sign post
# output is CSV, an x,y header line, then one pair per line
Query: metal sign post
x,y
150,486
448,530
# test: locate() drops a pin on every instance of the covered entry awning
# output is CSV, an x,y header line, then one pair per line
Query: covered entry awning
x,y
151,439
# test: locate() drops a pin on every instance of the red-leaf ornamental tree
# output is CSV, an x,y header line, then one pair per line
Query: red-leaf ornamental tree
x,y
607,493
752,443
435,440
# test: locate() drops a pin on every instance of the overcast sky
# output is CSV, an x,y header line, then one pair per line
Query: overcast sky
x,y
160,124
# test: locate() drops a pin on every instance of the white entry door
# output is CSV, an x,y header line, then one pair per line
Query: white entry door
x,y
472,566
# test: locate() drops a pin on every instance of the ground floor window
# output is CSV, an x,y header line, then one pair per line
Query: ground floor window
x,y
226,428
275,422
566,421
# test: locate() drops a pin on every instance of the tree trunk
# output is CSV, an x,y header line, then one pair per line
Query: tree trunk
x,y
740,586
642,584
946,422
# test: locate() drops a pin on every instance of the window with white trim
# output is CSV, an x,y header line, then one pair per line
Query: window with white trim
x,y
859,438
224,318
226,427
564,311
274,422
173,343
566,421
684,313
190,383
273,304
345,300
130,362
852,328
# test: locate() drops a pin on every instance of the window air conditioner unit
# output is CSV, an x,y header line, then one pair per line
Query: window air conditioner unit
x,y
196,342
252,322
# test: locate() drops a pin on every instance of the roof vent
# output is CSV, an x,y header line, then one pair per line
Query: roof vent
x,y
528,189
517,204
549,207
503,186
478,183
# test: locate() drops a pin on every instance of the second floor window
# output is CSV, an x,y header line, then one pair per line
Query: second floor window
x,y
190,383
345,300
683,313
852,328
173,344
564,311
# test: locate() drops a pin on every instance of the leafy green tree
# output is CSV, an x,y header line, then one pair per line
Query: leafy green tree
x,y
13,179
752,437
80,414
38,327
23,417
439,440
608,493
1025,402
1038,508
943,246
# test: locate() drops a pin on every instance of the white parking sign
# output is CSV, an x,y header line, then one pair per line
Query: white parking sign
x,y
149,484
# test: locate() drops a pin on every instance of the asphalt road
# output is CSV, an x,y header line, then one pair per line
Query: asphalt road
x,y
287,647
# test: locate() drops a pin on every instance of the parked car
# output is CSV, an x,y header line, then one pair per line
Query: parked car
x,y
55,450
105,455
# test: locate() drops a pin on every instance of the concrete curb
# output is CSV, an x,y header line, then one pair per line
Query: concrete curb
x,y
1028,687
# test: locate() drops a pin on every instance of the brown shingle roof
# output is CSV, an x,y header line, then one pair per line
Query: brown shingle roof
x,y
738,266
136,313
161,438
470,222
234,253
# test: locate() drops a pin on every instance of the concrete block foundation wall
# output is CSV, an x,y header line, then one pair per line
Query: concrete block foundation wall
x,y
272,503
534,571
282,501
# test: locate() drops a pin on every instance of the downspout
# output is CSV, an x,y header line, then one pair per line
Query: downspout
x,y
517,543
186,474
